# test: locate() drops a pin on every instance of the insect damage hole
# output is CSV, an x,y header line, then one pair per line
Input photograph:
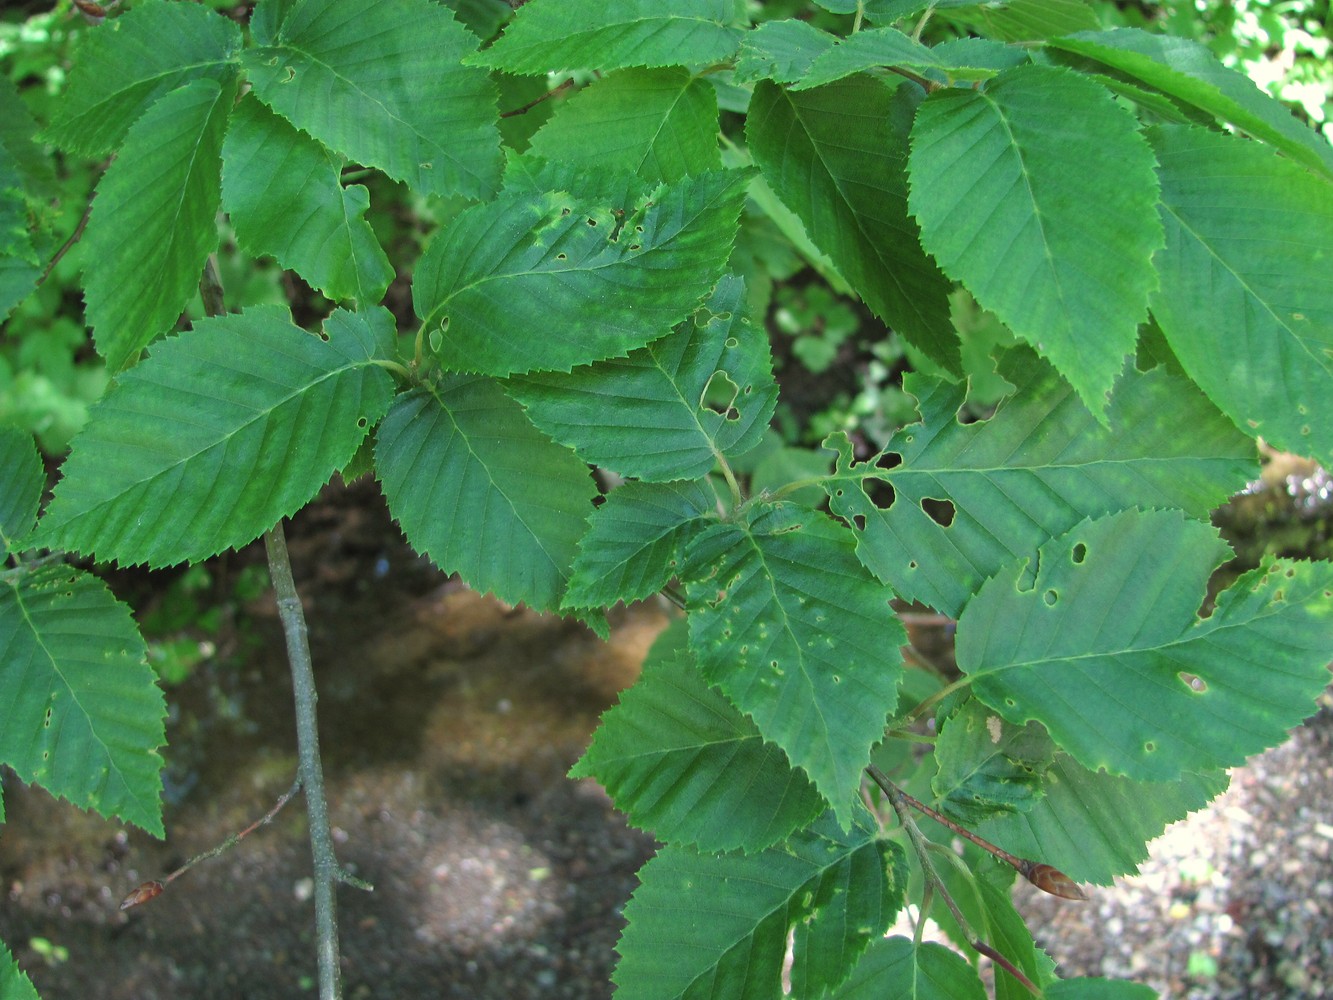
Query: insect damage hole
x,y
942,512
1194,682
719,395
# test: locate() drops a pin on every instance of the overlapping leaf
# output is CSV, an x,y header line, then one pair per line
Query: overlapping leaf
x,y
1190,73
660,124
20,489
1053,238
382,81
1027,20
781,51
837,156
681,762
715,926
549,281
219,434
482,492
285,197
1106,651
788,625
987,767
668,410
83,716
1095,826
550,35
965,59
154,220
1037,467
130,62
1245,299
634,541
898,967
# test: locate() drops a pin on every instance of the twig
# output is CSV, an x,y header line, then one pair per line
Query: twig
x,y
152,889
545,97
900,800
65,247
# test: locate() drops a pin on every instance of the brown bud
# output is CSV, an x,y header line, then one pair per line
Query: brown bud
x,y
142,894
1052,880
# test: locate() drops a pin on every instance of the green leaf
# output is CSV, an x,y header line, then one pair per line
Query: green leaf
x,y
987,767
155,221
82,714
890,47
1105,649
1055,242
382,81
1094,826
964,499
18,135
789,626
896,967
781,51
127,64
659,124
549,281
17,280
284,193
1245,300
1188,72
669,409
482,492
837,156
1082,988
634,541
716,925
15,241
680,761
1027,20
550,35
14,985
220,433
20,489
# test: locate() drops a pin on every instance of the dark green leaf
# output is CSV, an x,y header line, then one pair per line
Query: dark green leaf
x,y
221,432
1106,651
1055,241
482,492
1094,826
285,197
382,81
987,767
668,410
659,124
1246,301
125,65
681,762
790,627
837,156
550,35
781,51
715,926
549,281
965,59
897,967
635,539
83,716
20,488
155,221
1035,469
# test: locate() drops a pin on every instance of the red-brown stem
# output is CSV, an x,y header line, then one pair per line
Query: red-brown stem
x,y
545,97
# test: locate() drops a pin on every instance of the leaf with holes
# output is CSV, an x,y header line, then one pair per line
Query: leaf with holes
x,y
668,410
481,491
681,762
988,767
791,628
947,504
838,891
547,281
1104,647
223,431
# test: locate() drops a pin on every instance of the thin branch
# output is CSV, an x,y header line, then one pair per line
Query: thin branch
x,y
545,97
153,889
65,247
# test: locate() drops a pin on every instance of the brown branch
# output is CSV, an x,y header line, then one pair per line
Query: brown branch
x,y
532,104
